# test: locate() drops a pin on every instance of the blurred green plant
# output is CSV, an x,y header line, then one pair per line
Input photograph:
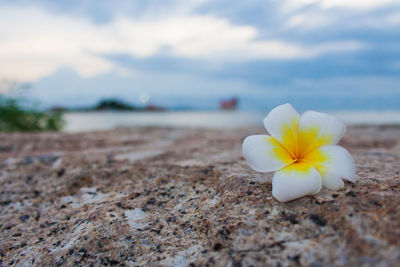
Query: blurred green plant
x,y
15,118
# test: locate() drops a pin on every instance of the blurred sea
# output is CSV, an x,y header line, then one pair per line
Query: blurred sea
x,y
105,120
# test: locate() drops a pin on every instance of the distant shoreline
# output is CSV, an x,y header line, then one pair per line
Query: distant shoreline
x,y
78,121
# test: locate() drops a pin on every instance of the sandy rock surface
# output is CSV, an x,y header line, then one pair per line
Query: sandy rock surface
x,y
182,197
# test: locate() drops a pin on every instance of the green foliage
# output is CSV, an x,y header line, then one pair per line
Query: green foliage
x,y
14,118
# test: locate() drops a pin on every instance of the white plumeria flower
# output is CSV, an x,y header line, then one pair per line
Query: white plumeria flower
x,y
303,152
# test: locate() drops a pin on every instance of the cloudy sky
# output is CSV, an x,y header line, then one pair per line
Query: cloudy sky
x,y
326,54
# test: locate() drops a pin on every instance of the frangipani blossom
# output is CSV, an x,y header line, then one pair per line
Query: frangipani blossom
x,y
303,152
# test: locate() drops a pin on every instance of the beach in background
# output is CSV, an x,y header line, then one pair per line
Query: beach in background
x,y
106,120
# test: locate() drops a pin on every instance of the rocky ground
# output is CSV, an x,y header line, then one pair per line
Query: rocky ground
x,y
180,197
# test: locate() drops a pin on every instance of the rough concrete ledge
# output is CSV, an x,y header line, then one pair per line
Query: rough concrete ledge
x,y
181,197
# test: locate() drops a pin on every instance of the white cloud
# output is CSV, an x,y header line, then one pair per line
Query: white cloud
x,y
5,86
316,20
395,65
327,4
363,4
390,20
35,43
309,19
308,15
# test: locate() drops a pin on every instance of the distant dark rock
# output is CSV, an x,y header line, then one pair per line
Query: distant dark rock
x,y
113,104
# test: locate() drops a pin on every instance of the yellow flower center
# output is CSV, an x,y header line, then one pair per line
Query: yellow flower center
x,y
301,145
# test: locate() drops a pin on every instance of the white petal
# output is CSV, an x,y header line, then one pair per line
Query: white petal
x,y
264,153
281,123
294,181
318,129
332,182
333,163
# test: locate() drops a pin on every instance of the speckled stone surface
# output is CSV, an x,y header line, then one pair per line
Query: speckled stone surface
x,y
181,197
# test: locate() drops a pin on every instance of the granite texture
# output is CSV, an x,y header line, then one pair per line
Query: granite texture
x,y
186,197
